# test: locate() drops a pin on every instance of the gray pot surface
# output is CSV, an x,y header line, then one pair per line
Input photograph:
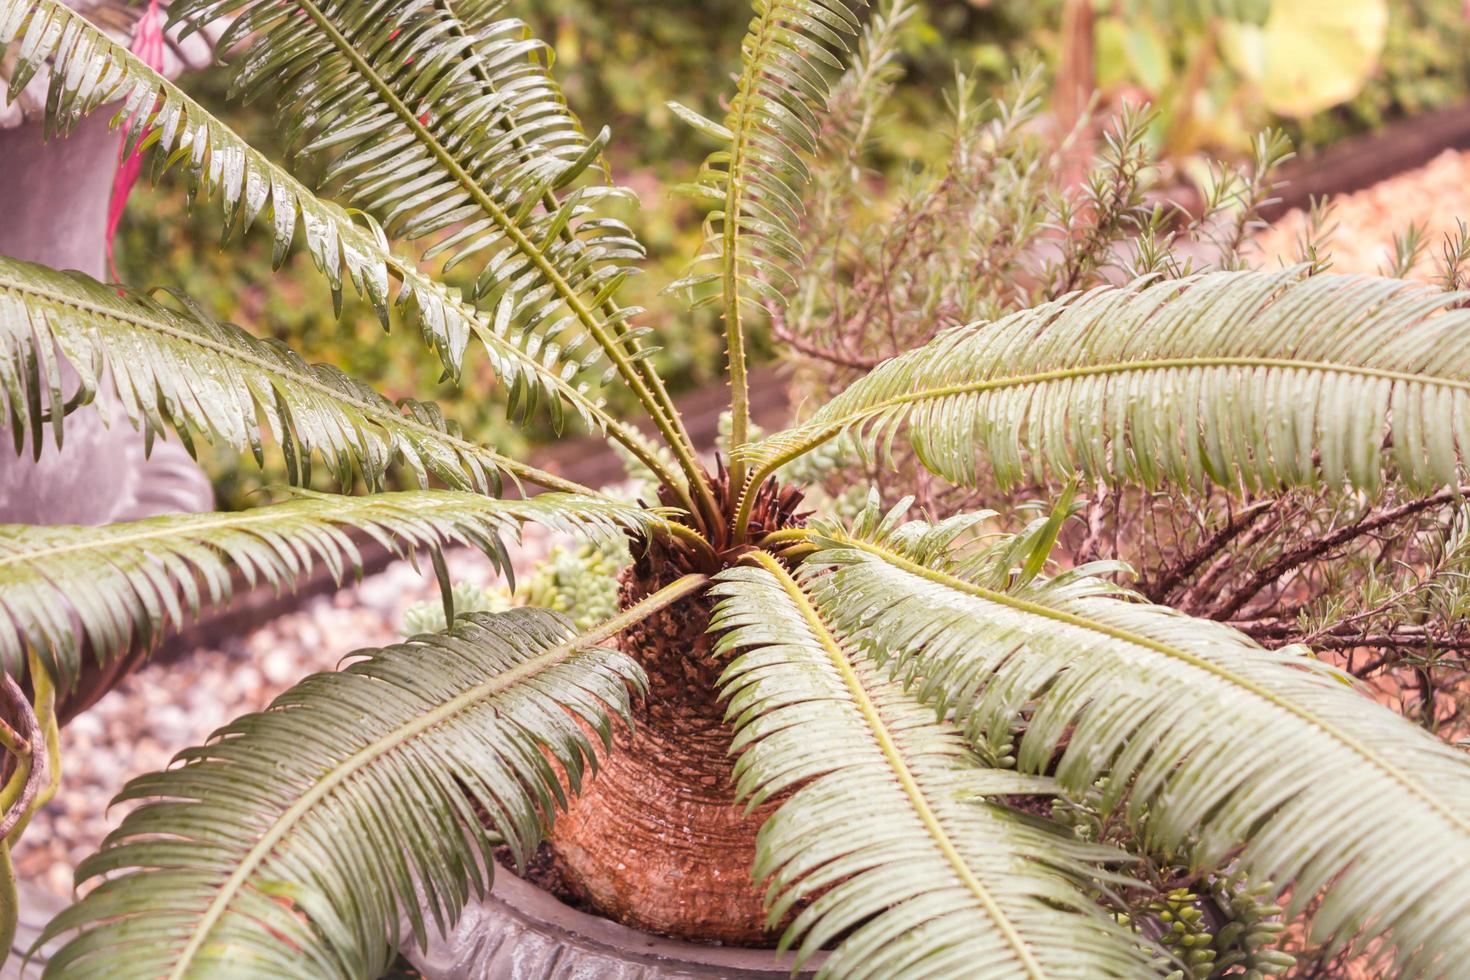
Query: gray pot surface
x,y
53,210
521,932
54,199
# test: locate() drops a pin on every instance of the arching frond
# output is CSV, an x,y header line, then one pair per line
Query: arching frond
x,y
90,71
894,835
113,584
176,368
1211,745
1241,378
436,123
787,55
295,842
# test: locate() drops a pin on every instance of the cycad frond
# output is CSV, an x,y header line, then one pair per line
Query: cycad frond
x,y
119,582
432,121
894,836
1253,378
293,843
757,174
90,71
175,368
1212,745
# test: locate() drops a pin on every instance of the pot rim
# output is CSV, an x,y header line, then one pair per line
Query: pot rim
x,y
536,910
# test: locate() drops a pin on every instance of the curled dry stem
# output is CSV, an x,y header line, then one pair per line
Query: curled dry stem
x,y
30,774
35,779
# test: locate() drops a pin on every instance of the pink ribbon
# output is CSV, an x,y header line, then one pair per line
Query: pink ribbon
x,y
148,46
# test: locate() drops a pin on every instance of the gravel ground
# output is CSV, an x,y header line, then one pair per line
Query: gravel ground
x,y
165,707
1433,197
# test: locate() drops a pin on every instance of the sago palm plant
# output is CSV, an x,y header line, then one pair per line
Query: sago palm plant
x,y
862,735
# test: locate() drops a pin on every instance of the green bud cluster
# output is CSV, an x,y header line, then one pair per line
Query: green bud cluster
x,y
1246,941
1186,933
581,582
1245,945
428,617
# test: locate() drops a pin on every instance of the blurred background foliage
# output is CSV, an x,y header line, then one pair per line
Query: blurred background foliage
x,y
1321,70
1213,68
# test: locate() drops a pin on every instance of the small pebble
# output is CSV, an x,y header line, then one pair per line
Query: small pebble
x,y
279,667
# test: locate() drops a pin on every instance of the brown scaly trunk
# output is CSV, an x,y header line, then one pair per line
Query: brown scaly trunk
x,y
657,841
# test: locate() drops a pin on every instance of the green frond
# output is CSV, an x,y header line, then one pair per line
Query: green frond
x,y
90,71
441,119
1269,761
1241,378
787,57
297,840
176,368
895,835
118,583
757,174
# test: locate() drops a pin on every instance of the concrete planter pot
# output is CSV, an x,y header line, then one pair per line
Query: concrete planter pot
x,y
521,932
54,199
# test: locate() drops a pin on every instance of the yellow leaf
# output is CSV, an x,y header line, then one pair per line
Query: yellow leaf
x,y
1310,54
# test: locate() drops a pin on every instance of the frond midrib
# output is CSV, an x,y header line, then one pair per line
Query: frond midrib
x,y
202,525
734,189
827,430
610,307
901,771
283,824
447,161
523,470
1355,745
